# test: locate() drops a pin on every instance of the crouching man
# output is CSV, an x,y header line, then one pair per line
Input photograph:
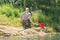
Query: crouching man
x,y
26,18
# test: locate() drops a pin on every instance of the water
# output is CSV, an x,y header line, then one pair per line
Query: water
x,y
34,37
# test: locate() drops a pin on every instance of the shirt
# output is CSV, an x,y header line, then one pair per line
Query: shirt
x,y
24,15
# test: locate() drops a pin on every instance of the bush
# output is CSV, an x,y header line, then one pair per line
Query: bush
x,y
9,11
10,15
51,20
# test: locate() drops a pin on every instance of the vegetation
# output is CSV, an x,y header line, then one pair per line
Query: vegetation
x,y
46,11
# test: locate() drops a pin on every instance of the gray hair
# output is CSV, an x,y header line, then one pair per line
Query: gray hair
x,y
27,9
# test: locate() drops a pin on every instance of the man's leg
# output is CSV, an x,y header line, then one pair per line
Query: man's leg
x,y
24,24
29,24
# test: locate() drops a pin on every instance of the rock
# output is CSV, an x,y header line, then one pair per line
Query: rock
x,y
1,30
23,33
13,31
37,29
6,34
42,34
28,32
36,24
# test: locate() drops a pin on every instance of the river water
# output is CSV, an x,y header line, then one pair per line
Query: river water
x,y
34,37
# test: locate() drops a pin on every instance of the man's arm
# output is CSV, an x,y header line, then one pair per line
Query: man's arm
x,y
29,15
22,15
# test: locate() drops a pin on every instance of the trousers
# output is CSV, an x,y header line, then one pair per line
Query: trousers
x,y
26,24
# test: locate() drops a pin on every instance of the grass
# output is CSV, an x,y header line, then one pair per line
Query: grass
x,y
10,15
10,21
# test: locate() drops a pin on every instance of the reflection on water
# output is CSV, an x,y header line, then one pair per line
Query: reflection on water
x,y
34,37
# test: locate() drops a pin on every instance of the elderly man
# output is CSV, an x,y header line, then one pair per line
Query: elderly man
x,y
26,18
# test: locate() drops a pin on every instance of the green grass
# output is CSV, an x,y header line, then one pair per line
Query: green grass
x,y
10,21
10,15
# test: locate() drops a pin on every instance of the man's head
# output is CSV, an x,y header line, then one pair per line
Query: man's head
x,y
27,10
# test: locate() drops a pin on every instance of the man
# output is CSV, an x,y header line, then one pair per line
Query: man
x,y
26,18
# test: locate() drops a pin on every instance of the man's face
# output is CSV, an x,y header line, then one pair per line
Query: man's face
x,y
27,11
